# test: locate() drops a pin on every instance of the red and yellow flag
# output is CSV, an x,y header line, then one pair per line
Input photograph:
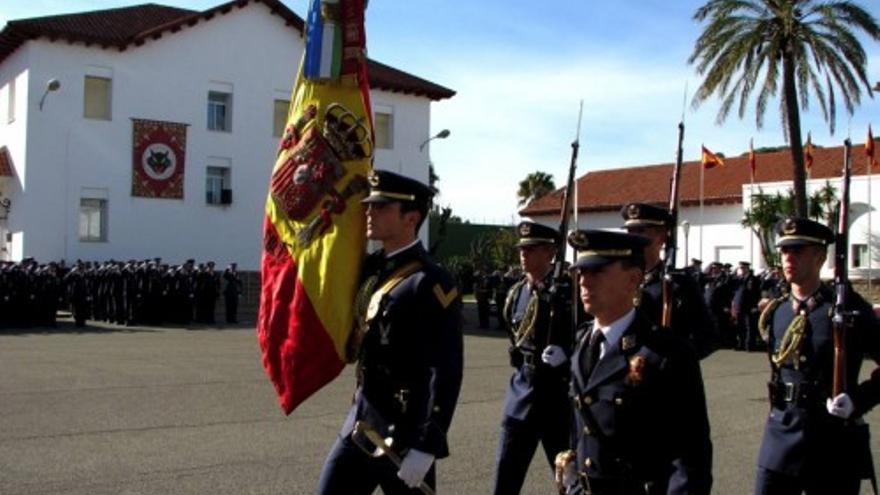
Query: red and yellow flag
x,y
711,160
314,236
808,154
752,161
869,148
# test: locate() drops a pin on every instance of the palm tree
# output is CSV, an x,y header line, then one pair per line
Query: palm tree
x,y
761,218
814,42
767,210
534,186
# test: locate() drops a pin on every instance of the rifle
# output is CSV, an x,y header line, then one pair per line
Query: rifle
x,y
565,215
842,319
672,240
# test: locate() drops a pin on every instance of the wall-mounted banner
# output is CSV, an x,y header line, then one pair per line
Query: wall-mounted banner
x,y
158,159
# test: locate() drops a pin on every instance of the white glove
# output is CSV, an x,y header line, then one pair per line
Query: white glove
x,y
553,355
414,467
841,406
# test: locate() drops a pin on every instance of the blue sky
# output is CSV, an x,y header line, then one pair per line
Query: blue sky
x,y
520,68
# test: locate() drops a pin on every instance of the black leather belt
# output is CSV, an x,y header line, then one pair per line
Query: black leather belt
x,y
797,393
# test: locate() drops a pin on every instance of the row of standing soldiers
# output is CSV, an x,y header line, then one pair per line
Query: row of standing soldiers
x,y
490,289
733,297
124,293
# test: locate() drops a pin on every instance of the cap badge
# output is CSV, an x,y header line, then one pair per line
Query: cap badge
x,y
525,229
789,227
578,239
633,211
373,179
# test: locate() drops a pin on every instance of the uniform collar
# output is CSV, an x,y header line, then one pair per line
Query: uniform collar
x,y
404,248
615,330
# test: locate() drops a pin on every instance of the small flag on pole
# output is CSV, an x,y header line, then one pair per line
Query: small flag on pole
x,y
869,146
808,154
752,163
711,160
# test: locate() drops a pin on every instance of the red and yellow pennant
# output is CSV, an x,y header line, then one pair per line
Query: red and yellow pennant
x,y
808,154
711,160
314,236
753,164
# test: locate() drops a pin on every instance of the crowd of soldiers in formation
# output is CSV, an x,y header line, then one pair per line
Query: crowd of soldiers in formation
x,y
732,294
127,293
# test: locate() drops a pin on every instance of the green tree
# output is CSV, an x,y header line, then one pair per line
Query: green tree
x,y
768,209
812,42
534,186
495,250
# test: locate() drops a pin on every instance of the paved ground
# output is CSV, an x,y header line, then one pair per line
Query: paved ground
x,y
189,411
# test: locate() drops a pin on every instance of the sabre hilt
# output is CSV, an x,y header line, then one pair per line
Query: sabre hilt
x,y
380,447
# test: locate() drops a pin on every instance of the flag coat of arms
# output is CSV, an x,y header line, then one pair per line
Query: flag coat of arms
x,y
314,232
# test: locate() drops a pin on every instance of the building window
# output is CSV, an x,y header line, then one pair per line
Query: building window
x,y
97,97
217,186
219,111
92,220
10,108
383,124
860,256
279,119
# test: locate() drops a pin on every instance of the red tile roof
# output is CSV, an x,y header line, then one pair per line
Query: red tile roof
x,y
133,26
5,163
609,190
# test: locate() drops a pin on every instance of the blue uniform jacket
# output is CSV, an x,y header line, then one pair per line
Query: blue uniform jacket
x,y
537,390
411,359
640,416
691,319
800,434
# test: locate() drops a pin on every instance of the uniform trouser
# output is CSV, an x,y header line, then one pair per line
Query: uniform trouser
x,y
814,482
483,312
350,471
517,445
232,309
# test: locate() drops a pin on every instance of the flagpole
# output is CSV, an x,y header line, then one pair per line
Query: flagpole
x,y
870,236
702,169
751,195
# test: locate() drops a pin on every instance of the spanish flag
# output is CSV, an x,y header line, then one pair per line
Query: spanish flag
x,y
752,161
711,160
314,235
808,154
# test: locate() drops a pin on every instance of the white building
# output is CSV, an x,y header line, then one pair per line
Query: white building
x,y
715,232
226,73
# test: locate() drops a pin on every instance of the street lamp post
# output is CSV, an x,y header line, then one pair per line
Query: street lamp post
x,y
440,135
51,85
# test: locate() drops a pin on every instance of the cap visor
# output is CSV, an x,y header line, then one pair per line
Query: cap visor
x,y
797,242
377,199
532,242
592,262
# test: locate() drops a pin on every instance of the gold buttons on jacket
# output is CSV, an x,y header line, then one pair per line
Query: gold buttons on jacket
x,y
588,462
618,401
587,430
588,400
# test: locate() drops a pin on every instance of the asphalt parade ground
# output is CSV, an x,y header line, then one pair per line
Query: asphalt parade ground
x,y
140,410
